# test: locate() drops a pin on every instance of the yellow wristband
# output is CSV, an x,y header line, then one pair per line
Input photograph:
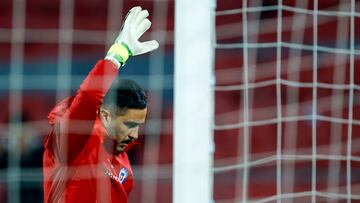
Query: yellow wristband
x,y
120,50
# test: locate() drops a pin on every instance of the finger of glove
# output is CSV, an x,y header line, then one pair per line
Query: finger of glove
x,y
148,46
142,28
140,17
135,12
131,15
134,8
128,19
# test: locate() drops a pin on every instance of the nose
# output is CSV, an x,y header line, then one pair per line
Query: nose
x,y
134,134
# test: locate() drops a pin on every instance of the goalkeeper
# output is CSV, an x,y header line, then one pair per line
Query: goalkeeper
x,y
85,156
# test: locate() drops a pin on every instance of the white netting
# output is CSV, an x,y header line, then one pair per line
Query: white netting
x,y
287,101
287,95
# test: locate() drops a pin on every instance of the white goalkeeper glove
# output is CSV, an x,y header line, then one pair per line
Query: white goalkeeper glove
x,y
127,44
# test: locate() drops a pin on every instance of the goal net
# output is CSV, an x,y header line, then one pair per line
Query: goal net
x,y
287,95
287,101
46,50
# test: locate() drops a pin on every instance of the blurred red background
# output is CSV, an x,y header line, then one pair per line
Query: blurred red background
x,y
46,36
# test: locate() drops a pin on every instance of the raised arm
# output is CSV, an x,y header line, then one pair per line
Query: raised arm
x,y
75,126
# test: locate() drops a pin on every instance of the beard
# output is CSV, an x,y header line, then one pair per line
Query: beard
x,y
112,144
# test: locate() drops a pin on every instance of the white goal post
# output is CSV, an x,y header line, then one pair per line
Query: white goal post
x,y
193,108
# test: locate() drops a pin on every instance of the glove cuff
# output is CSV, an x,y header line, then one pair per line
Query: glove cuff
x,y
120,52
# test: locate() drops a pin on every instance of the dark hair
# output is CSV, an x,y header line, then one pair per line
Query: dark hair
x,y
125,94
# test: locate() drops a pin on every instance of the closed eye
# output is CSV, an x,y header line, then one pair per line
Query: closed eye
x,y
131,124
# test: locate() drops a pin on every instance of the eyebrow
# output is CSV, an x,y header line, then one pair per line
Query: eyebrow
x,y
131,124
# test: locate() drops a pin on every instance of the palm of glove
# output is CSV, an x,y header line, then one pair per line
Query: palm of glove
x,y
135,25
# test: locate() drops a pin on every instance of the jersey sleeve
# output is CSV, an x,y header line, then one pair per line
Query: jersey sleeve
x,y
75,126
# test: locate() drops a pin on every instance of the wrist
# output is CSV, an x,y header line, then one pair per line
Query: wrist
x,y
114,61
119,52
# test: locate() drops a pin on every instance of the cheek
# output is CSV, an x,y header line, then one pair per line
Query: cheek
x,y
120,132
115,130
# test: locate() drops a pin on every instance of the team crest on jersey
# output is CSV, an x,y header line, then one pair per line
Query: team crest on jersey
x,y
123,175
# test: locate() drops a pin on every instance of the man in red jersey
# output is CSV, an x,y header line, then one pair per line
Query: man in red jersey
x,y
85,156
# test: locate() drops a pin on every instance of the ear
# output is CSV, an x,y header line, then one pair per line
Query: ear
x,y
105,116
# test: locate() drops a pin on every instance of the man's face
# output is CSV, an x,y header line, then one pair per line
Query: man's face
x,y
125,128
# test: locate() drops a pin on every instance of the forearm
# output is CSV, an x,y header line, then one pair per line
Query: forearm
x,y
99,80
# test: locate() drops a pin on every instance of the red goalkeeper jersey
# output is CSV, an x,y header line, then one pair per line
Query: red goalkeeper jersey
x,y
79,164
